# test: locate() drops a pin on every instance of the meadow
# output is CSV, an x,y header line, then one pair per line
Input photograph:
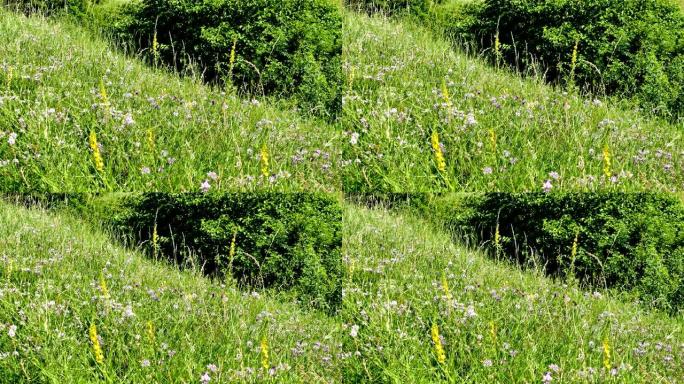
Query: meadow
x,y
76,307
421,115
79,115
136,246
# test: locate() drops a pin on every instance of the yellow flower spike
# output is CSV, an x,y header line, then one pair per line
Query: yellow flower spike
x,y
264,354
573,252
497,45
492,331
573,60
492,139
445,93
497,238
439,348
445,287
97,156
150,331
607,163
232,56
150,139
439,155
264,160
606,354
155,46
97,348
155,240
103,286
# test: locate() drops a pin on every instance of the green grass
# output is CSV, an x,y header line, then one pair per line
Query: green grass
x,y
497,131
157,131
51,278
522,323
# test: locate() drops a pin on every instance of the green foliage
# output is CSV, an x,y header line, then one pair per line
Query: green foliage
x,y
282,241
282,47
631,242
415,7
632,48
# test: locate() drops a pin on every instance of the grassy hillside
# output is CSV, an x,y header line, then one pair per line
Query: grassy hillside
x,y
410,285
76,115
60,279
410,92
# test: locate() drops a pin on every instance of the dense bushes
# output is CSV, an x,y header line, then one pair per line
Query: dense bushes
x,y
624,47
282,241
282,47
631,242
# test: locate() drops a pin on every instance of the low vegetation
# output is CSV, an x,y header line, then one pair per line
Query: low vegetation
x,y
75,307
422,116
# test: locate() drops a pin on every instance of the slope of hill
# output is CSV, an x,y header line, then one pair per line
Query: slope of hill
x,y
67,292
420,116
77,115
420,309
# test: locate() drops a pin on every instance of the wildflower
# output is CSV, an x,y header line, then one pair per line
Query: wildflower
x,y
554,175
354,331
205,186
547,378
12,139
155,46
97,348
212,367
445,93
145,363
145,170
606,161
492,331
488,170
354,138
497,45
128,312
150,331
606,354
205,378
264,353
445,287
439,349
128,120
231,253
155,239
97,156
470,311
497,238
264,160
487,363
232,56
103,286
470,119
150,139
547,186
573,59
12,331
439,155
554,367
212,175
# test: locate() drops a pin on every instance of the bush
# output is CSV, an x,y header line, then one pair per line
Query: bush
x,y
282,47
632,48
282,241
630,242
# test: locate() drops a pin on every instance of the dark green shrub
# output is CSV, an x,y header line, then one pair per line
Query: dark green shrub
x,y
631,242
282,47
415,7
282,241
632,48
